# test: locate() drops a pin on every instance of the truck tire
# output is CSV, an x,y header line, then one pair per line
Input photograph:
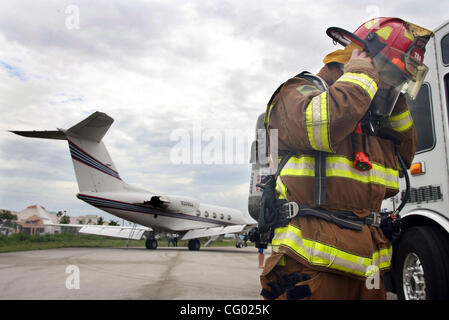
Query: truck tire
x,y
422,264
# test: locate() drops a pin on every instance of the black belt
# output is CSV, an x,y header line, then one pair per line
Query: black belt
x,y
343,219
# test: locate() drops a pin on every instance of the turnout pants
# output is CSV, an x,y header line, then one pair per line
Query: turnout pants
x,y
323,285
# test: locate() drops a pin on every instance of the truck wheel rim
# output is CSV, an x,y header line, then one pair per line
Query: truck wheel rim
x,y
413,280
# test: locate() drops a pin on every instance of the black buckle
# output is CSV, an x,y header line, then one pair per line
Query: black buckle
x,y
290,209
374,219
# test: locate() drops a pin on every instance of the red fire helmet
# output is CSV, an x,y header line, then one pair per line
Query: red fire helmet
x,y
396,47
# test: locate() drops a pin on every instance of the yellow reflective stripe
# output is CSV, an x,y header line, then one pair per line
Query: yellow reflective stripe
x,y
282,261
309,124
400,122
325,145
362,80
317,123
399,116
342,167
317,253
281,188
299,166
267,114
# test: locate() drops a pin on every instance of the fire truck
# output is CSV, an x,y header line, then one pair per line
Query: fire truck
x,y
420,263
421,254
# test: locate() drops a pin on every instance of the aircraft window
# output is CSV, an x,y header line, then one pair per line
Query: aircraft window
x,y
229,217
221,216
214,215
198,213
206,214
445,49
421,110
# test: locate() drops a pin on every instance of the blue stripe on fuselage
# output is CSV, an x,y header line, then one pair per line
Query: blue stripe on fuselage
x,y
80,155
114,204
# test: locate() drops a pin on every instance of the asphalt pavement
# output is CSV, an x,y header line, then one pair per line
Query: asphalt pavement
x,y
217,273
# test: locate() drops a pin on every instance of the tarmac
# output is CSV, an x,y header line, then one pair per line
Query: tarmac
x,y
215,273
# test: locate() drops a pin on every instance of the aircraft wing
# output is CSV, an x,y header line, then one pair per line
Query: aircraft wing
x,y
214,231
128,232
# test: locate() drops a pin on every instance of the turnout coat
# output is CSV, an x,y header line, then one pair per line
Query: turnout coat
x,y
307,120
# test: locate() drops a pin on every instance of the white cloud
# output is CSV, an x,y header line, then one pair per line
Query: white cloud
x,y
156,66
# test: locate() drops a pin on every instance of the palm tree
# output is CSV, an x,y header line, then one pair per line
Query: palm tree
x,y
64,219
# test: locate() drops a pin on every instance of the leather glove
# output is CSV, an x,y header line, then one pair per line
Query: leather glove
x,y
287,283
391,226
267,214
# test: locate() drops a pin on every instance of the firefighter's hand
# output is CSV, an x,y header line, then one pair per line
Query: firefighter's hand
x,y
361,55
288,285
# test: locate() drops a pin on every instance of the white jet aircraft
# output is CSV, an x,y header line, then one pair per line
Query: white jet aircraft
x,y
101,186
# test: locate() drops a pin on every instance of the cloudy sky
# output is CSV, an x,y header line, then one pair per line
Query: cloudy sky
x,y
158,68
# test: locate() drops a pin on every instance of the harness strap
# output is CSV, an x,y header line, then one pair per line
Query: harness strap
x,y
320,178
343,219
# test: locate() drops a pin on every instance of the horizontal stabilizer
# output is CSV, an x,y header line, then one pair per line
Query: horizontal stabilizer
x,y
209,232
60,135
93,127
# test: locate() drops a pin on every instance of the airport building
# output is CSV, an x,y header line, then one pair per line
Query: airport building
x,y
33,220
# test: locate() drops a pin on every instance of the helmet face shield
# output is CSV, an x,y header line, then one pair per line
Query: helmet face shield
x,y
413,85
389,72
400,70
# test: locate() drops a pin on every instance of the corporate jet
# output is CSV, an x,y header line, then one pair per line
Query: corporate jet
x,y
101,186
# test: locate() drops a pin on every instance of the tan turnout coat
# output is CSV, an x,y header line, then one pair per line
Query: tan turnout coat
x,y
309,120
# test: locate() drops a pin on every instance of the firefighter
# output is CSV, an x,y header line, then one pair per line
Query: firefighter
x,y
334,247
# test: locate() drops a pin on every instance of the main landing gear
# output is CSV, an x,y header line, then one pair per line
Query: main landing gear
x,y
194,244
151,242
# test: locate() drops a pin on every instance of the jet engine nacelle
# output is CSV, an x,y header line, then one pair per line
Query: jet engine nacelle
x,y
174,203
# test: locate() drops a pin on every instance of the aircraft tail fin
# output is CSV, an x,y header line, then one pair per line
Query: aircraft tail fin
x,y
93,127
94,169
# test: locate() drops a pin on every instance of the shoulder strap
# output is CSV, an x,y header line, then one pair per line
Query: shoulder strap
x,y
282,163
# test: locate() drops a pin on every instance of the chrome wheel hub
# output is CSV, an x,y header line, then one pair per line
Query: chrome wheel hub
x,y
413,280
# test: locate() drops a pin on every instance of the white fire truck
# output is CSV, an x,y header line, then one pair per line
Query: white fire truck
x,y
421,254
